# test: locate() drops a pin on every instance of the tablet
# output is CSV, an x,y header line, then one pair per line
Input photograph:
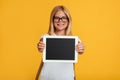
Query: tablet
x,y
60,49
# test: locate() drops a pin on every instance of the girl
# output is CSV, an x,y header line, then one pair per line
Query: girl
x,y
60,25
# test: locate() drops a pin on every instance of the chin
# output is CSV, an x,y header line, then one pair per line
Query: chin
x,y
60,29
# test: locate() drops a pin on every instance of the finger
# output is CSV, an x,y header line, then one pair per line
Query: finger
x,y
77,49
42,42
81,51
41,50
80,44
80,47
41,47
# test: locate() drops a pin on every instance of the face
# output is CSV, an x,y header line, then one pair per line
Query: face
x,y
60,21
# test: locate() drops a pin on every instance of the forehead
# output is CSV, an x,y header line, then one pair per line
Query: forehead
x,y
60,13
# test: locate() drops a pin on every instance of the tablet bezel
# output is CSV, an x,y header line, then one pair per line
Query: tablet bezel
x,y
62,37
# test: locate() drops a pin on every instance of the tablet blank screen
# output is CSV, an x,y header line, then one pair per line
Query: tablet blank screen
x,y
60,49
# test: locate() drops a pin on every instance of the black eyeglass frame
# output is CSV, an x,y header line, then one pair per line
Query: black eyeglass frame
x,y
67,19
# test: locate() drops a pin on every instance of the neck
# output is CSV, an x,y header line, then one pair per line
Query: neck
x,y
60,32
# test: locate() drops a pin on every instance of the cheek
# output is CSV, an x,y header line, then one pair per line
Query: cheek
x,y
67,24
54,24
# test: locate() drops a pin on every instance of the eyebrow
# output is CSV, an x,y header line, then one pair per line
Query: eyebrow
x,y
58,16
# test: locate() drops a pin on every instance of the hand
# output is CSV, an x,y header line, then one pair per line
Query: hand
x,y
80,47
41,46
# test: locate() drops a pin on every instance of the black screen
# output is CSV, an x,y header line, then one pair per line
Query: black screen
x,y
60,49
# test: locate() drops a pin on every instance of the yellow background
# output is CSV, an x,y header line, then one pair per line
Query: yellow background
x,y
96,22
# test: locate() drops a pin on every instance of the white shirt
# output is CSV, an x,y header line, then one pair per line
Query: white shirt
x,y
57,71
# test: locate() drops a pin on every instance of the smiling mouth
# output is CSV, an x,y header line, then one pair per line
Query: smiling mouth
x,y
60,24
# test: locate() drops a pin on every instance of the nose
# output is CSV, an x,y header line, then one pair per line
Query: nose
x,y
60,19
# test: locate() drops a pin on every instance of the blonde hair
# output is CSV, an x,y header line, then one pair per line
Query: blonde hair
x,y
51,30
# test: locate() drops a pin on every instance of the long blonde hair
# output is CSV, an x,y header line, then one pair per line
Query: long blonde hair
x,y
51,30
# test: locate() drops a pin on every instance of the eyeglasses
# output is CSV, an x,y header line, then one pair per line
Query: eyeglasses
x,y
57,19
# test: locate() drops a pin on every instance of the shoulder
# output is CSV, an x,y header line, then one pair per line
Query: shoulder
x,y
43,35
79,40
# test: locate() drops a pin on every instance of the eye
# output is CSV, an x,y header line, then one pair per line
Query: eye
x,y
64,17
56,17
